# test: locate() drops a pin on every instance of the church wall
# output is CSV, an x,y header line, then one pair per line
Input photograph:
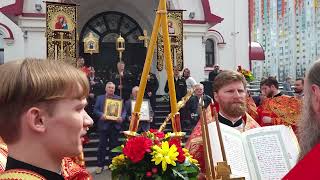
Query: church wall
x,y
235,31
194,50
35,39
29,6
190,6
141,11
13,49
33,29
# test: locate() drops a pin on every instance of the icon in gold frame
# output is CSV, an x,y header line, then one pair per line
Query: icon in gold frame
x,y
112,109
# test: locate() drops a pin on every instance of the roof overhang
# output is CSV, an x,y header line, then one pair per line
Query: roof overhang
x,y
13,9
256,51
208,16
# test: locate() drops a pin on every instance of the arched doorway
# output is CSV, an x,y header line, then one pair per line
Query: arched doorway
x,y
106,27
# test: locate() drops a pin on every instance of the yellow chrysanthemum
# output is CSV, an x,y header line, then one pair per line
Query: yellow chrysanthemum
x,y
165,154
118,161
166,136
189,156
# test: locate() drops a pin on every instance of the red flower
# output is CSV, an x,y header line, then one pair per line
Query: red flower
x,y
154,170
181,157
175,141
136,147
153,130
149,174
159,135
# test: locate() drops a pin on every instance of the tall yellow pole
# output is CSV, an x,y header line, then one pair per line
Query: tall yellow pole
x,y
176,126
134,123
167,55
161,19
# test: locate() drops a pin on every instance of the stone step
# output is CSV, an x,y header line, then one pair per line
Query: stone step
x,y
161,113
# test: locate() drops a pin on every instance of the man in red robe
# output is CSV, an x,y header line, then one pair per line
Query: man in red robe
x,y
277,108
42,118
230,96
309,129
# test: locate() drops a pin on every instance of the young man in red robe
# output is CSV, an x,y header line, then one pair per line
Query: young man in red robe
x,y
309,129
42,118
230,95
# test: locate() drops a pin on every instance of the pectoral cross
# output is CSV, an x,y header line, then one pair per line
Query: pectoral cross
x,y
144,38
62,41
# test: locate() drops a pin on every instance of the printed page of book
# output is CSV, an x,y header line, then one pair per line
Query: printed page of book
x,y
234,149
273,151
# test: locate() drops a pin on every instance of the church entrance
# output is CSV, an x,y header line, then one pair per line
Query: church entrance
x,y
106,27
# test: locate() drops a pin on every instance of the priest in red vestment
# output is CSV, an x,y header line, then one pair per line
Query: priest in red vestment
x,y
230,95
309,129
277,108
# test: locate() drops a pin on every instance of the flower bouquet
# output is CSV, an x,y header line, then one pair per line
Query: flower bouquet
x,y
246,73
153,155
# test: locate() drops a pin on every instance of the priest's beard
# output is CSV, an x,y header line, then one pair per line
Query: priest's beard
x,y
308,127
234,109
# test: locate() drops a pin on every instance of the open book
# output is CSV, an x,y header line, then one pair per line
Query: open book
x,y
257,154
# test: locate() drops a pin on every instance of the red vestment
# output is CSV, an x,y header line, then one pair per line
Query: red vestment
x,y
283,109
69,167
307,168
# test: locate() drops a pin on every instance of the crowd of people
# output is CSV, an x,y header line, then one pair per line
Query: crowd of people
x,y
47,107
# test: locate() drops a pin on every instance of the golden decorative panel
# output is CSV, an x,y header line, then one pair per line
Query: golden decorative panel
x,y
175,27
61,23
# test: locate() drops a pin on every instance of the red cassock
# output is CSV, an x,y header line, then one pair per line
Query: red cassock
x,y
307,168
72,168
283,109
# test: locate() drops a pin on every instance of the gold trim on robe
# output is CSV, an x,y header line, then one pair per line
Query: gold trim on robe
x,y
283,109
20,174
3,155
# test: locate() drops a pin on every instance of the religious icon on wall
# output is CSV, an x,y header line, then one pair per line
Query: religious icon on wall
x,y
175,29
91,44
171,28
112,109
60,21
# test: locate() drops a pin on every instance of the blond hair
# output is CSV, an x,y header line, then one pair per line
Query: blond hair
x,y
31,82
226,77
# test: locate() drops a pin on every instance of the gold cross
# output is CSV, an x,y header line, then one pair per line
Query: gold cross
x,y
61,40
144,38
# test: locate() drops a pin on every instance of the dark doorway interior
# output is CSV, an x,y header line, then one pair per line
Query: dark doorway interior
x,y
106,27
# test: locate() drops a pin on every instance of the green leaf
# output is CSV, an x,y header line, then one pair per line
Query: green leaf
x,y
117,149
177,173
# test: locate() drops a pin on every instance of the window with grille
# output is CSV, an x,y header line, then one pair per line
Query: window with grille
x,y
210,60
